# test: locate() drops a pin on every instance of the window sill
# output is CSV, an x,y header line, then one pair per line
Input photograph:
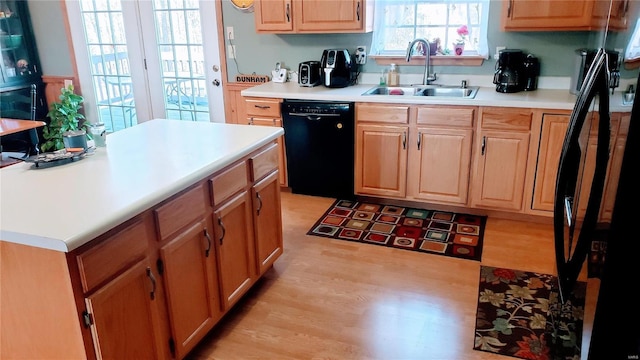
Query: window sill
x,y
452,60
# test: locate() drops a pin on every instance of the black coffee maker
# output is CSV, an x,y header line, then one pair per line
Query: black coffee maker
x,y
508,76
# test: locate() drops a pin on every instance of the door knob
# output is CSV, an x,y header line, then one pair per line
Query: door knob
x,y
216,82
215,68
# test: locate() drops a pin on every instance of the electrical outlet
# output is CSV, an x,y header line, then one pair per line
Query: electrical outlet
x,y
230,33
361,55
67,82
231,51
497,54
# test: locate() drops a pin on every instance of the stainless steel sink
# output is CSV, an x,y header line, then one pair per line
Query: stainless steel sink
x,y
425,90
392,90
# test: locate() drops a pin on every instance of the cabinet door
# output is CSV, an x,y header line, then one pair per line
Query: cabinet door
x,y
381,160
236,250
328,15
440,165
500,169
273,16
546,14
267,219
191,281
615,164
554,128
125,315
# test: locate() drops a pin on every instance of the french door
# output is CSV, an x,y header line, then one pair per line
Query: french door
x,y
144,59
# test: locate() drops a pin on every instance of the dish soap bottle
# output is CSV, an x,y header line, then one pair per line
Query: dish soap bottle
x,y
393,78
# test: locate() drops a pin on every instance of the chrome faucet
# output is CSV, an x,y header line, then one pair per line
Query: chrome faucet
x,y
427,79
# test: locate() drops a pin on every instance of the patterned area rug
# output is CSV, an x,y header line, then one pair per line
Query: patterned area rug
x,y
430,231
519,315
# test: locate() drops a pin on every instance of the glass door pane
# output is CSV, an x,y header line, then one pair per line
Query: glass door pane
x,y
181,55
106,43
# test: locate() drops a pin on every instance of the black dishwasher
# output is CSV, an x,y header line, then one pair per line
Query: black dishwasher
x,y
319,141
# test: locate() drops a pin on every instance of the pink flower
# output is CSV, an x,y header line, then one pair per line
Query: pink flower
x,y
463,31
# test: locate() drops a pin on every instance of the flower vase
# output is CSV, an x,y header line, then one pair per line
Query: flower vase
x,y
458,49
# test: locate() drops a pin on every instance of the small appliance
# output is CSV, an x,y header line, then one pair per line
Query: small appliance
x,y
584,59
508,76
309,73
336,68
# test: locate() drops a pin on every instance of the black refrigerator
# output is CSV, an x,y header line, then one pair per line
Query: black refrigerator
x,y
615,333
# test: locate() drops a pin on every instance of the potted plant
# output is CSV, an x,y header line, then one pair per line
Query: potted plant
x,y
66,121
458,46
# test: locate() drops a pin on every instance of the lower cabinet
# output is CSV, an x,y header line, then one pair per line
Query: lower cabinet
x,y
235,244
440,158
191,283
429,158
153,288
552,132
124,315
502,148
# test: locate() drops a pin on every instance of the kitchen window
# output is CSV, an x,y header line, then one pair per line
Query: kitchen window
x,y
398,22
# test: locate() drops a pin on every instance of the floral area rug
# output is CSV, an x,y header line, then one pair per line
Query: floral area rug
x,y
429,231
519,314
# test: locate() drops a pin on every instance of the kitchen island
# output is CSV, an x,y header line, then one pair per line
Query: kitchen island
x,y
139,248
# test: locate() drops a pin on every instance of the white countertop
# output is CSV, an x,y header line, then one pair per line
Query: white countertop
x,y
486,96
63,207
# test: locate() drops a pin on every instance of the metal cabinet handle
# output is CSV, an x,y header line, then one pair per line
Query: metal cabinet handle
x,y
206,235
223,229
484,144
153,283
259,203
419,139
404,140
509,9
358,11
250,122
288,17
262,106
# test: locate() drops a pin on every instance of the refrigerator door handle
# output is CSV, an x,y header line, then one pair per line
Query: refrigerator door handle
x,y
568,203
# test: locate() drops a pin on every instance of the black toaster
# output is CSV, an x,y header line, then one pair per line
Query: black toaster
x,y
309,73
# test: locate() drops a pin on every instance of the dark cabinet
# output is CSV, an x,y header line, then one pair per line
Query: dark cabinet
x,y
20,63
21,88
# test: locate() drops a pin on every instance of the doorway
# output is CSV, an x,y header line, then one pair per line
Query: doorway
x,y
139,60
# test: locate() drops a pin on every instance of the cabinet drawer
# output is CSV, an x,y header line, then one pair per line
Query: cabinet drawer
x,y
264,162
263,107
386,113
506,118
229,182
116,253
181,210
457,117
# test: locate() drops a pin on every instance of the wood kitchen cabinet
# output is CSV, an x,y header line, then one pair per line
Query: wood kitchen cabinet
x,y
381,149
122,295
440,158
313,16
500,164
551,15
266,208
235,110
234,238
188,268
267,112
553,129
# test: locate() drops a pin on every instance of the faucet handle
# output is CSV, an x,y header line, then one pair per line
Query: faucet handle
x,y
463,84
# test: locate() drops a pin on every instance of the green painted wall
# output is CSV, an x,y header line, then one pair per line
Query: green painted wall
x,y
259,52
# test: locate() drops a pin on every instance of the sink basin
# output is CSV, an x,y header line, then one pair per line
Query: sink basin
x,y
392,90
425,90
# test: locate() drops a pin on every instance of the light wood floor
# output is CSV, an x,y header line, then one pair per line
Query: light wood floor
x,y
332,299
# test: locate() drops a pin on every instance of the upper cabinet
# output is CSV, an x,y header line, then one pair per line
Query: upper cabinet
x,y
20,64
314,16
550,15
